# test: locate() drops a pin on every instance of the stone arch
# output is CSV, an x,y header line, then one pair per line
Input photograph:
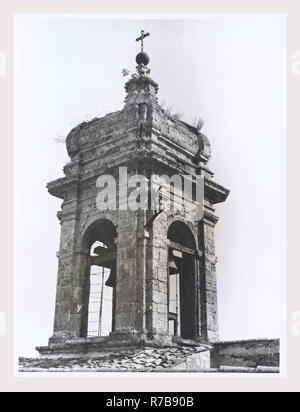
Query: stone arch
x,y
90,220
183,224
181,233
102,230
182,281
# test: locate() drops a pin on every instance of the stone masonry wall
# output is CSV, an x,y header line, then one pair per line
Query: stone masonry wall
x,y
252,353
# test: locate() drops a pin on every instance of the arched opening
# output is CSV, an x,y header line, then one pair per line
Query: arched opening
x,y
100,282
182,301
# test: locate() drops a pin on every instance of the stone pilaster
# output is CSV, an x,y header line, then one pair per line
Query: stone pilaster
x,y
157,278
208,279
128,301
67,299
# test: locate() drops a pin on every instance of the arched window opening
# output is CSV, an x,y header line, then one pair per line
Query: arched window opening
x,y
100,283
100,313
182,312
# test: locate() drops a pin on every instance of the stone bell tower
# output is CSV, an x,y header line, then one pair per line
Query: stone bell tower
x,y
160,262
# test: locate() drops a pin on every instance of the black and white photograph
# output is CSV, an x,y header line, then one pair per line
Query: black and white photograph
x,y
150,194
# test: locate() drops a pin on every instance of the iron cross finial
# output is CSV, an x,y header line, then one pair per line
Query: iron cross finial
x,y
141,39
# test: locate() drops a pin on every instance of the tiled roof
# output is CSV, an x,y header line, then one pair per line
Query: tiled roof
x,y
145,361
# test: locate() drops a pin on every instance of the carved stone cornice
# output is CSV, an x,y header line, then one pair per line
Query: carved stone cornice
x,y
59,187
210,218
215,192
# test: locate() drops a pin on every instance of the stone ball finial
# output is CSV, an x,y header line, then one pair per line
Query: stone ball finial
x,y
142,58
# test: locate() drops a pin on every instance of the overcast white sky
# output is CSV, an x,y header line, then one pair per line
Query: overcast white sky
x,y
229,70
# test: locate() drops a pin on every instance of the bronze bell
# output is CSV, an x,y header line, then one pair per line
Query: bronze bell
x,y
173,269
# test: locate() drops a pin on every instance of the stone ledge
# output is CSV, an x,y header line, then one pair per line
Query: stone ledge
x,y
247,353
95,355
148,359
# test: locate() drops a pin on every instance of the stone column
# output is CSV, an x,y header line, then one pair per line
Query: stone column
x,y
157,278
68,300
129,304
81,294
131,267
208,279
